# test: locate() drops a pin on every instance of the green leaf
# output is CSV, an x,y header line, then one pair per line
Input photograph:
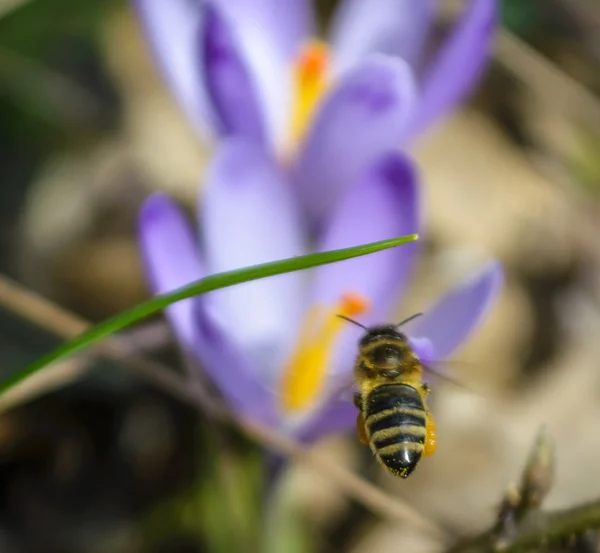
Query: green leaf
x,y
208,284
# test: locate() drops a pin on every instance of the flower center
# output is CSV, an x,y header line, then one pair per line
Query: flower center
x,y
304,377
310,83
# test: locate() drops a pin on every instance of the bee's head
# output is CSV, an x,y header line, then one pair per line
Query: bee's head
x,y
388,333
385,349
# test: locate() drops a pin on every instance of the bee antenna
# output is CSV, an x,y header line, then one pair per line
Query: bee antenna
x,y
409,319
351,321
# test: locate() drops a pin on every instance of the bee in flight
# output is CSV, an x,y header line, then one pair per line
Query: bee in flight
x,y
393,417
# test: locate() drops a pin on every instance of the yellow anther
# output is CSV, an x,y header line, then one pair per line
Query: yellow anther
x,y
304,377
310,82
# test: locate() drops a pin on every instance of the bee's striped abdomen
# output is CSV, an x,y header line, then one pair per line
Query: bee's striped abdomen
x,y
395,421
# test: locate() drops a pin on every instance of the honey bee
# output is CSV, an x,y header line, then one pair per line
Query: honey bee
x,y
393,419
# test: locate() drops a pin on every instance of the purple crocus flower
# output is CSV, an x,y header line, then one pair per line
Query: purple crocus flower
x,y
253,68
274,347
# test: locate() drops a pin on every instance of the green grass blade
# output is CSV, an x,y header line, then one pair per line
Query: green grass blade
x,y
207,284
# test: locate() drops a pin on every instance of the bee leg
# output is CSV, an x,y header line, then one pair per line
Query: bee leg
x,y
360,420
360,428
425,389
430,440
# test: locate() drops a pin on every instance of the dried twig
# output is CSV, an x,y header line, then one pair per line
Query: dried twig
x,y
63,98
521,526
539,73
546,78
56,377
61,322
538,529
68,325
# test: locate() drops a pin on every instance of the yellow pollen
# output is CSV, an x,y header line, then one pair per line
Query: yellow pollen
x,y
304,377
310,82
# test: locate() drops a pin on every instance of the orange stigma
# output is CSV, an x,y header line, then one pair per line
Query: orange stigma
x,y
353,304
310,82
305,376
313,61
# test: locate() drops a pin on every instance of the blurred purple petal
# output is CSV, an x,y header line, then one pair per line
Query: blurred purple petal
x,y
458,66
170,255
266,37
228,82
358,123
448,323
229,367
249,216
286,23
394,27
422,347
337,417
383,204
172,29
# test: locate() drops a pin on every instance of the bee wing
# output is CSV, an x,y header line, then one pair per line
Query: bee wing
x,y
438,373
344,389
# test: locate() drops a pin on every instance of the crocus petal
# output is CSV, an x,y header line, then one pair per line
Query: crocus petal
x,y
266,35
458,66
228,82
395,27
172,28
335,418
383,204
229,367
422,347
170,255
448,323
287,24
249,217
358,122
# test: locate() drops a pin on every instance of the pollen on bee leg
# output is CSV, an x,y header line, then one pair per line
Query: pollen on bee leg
x,y
430,438
361,430
305,375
